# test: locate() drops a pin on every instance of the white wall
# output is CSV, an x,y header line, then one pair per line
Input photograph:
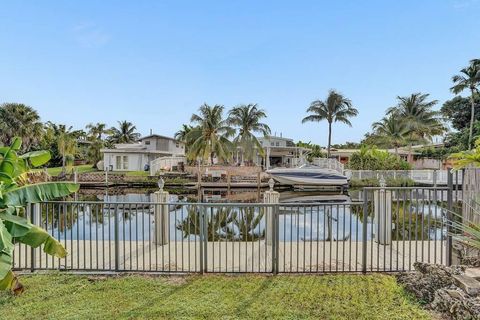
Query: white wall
x,y
136,161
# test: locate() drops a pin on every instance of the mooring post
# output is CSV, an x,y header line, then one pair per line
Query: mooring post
x,y
161,214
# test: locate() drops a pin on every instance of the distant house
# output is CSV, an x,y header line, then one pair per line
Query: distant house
x,y
411,155
280,152
137,156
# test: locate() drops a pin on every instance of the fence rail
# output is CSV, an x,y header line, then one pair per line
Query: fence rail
x,y
388,230
427,176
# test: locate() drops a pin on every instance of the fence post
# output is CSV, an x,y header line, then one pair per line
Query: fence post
x,y
270,197
201,220
161,215
364,230
276,244
30,212
116,240
449,216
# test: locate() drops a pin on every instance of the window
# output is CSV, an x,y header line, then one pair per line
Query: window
x,y
121,163
147,142
118,163
176,145
277,144
272,144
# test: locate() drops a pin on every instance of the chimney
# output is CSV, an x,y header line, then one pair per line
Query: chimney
x,y
151,131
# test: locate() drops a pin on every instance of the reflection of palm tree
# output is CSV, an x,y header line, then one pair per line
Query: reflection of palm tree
x,y
217,223
224,224
248,223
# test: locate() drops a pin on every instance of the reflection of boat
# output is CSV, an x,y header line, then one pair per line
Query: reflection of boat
x,y
308,175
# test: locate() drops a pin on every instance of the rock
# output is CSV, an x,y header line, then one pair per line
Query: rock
x,y
468,284
473,273
427,280
454,303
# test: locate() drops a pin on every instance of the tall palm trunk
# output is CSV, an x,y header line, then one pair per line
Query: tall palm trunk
x,y
472,118
329,138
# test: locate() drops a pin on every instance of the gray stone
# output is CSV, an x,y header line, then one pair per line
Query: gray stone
x,y
473,273
455,304
468,284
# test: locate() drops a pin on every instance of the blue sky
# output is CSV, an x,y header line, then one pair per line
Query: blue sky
x,y
155,62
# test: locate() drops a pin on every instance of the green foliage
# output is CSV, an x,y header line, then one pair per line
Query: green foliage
x,y
458,111
247,119
209,137
316,150
374,182
468,79
14,196
17,119
125,133
373,159
469,158
436,153
336,108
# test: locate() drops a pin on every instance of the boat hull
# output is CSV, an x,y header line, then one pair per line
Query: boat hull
x,y
308,178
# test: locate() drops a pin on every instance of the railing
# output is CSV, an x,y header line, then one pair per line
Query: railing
x,y
428,177
388,230
329,164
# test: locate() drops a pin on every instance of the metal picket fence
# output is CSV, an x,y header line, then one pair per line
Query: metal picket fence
x,y
389,230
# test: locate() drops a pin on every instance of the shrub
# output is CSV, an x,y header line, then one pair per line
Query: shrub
x,y
373,159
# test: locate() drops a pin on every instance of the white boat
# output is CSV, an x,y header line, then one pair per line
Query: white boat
x,y
308,175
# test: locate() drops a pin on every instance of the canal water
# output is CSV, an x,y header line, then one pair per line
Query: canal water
x,y
340,220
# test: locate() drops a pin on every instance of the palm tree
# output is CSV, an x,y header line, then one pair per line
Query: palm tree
x,y
65,141
19,120
209,137
391,130
125,133
247,119
96,131
469,78
336,108
181,134
423,122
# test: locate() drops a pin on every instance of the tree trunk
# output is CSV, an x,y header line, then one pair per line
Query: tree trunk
x,y
211,158
472,119
329,139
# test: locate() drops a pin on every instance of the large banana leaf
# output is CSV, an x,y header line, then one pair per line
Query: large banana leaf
x,y
38,192
37,158
6,251
32,235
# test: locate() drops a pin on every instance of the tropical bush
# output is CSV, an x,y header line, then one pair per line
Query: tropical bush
x,y
374,159
465,159
375,182
16,192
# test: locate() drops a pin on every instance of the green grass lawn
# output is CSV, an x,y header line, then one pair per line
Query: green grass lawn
x,y
60,296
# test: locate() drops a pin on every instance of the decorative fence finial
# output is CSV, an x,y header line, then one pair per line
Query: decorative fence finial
x,y
271,184
382,182
161,183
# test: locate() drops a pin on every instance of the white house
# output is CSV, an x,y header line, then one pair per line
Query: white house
x,y
280,152
137,156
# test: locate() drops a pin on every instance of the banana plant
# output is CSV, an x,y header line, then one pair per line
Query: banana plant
x,y
15,194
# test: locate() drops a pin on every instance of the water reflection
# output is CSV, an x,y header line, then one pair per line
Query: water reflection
x,y
341,221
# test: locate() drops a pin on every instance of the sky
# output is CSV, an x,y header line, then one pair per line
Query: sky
x,y
155,62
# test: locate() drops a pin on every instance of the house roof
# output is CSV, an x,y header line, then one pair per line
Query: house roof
x,y
158,137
